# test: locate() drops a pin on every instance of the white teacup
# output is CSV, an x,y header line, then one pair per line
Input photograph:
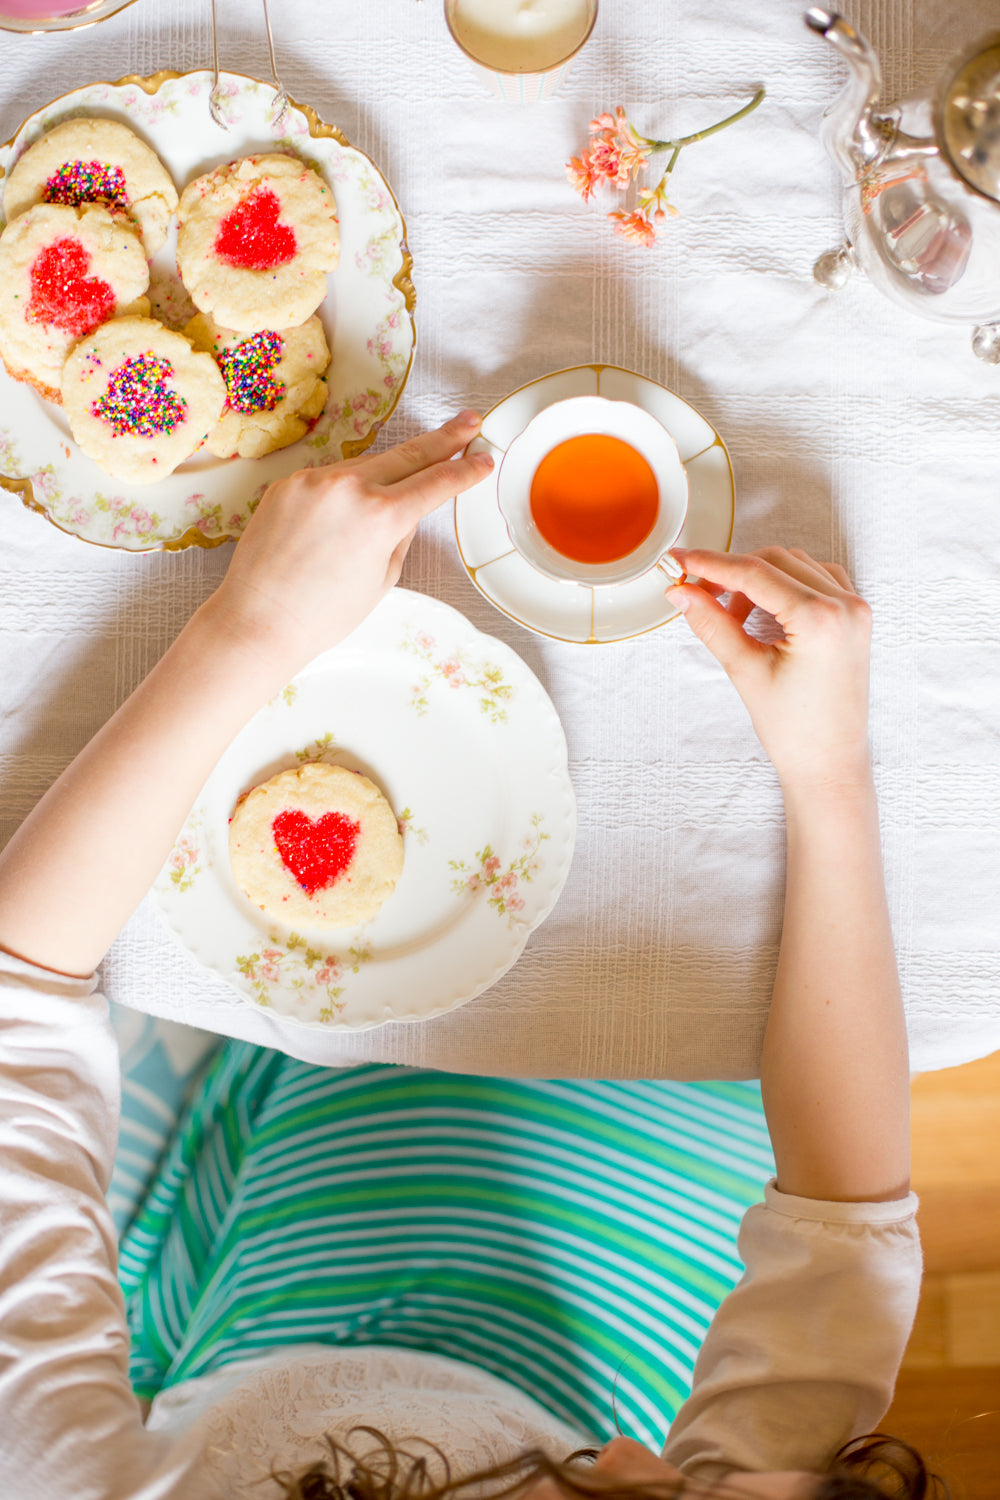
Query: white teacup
x,y
583,416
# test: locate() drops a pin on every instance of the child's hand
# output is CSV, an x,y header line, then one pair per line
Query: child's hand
x,y
808,694
325,544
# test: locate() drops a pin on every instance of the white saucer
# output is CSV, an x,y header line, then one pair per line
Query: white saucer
x,y
571,611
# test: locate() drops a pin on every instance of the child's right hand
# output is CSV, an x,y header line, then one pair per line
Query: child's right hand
x,y
325,544
808,694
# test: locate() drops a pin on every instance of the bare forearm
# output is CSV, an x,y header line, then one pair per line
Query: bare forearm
x,y
835,1071
84,858
320,551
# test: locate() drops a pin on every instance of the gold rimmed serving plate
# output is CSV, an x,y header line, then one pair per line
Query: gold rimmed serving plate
x,y
368,316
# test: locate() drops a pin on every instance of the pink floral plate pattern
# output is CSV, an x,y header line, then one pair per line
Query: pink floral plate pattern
x,y
466,745
367,315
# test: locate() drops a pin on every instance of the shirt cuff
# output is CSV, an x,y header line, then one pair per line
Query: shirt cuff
x,y
823,1211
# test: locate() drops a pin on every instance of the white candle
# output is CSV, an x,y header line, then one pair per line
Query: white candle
x,y
520,36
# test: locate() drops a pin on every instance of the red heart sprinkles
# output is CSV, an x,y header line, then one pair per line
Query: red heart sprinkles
x,y
63,295
251,237
316,851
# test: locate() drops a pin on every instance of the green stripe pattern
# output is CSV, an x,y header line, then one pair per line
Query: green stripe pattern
x,y
574,1238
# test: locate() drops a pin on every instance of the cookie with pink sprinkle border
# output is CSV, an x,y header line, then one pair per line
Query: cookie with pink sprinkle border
x,y
256,240
95,161
63,271
274,383
140,399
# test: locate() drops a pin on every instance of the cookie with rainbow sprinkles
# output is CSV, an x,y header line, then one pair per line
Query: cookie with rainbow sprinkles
x,y
140,400
95,161
274,384
256,240
63,272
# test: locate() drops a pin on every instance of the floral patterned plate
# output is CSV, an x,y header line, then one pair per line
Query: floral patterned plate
x,y
367,314
463,740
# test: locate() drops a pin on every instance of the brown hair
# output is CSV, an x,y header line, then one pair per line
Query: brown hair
x,y
875,1467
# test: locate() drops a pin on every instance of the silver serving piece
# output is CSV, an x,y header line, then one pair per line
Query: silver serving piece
x,y
922,201
281,100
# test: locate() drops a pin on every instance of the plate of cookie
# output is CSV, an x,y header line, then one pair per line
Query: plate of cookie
x,y
192,305
382,838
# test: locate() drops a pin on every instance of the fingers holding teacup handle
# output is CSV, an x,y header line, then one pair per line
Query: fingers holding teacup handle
x,y
671,569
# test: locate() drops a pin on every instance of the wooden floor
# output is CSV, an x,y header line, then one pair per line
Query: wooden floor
x,y
948,1399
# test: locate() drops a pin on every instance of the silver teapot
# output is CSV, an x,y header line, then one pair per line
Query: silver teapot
x,y
922,204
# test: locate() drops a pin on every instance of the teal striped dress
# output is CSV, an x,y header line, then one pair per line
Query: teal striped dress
x,y
574,1238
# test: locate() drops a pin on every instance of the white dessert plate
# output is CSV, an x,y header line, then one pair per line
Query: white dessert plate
x,y
467,747
564,610
367,316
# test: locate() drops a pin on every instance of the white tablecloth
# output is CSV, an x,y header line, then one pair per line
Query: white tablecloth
x,y
856,431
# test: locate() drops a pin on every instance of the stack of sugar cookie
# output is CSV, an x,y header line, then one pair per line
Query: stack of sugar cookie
x,y
86,206
255,243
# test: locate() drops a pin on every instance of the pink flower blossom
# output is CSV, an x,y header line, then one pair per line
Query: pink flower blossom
x,y
605,159
582,175
634,227
515,903
328,973
491,866
424,641
474,883
633,148
616,153
507,882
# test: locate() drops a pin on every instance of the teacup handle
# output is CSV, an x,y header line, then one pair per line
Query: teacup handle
x,y
671,569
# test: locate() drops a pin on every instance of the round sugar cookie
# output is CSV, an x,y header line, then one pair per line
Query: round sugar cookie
x,y
139,399
318,846
256,240
63,272
274,383
95,161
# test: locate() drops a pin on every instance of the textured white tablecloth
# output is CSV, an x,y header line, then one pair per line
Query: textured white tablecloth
x,y
856,431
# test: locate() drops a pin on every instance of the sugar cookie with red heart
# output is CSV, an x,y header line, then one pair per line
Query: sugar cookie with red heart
x,y
256,240
63,272
140,399
274,382
95,161
318,846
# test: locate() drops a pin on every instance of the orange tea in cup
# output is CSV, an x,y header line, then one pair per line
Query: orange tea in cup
x,y
594,498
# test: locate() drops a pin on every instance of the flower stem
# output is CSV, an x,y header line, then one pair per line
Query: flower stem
x,y
700,135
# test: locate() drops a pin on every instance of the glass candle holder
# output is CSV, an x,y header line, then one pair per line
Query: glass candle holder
x,y
522,48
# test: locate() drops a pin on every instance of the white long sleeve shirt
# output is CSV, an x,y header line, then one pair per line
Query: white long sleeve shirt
x,y
801,1356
